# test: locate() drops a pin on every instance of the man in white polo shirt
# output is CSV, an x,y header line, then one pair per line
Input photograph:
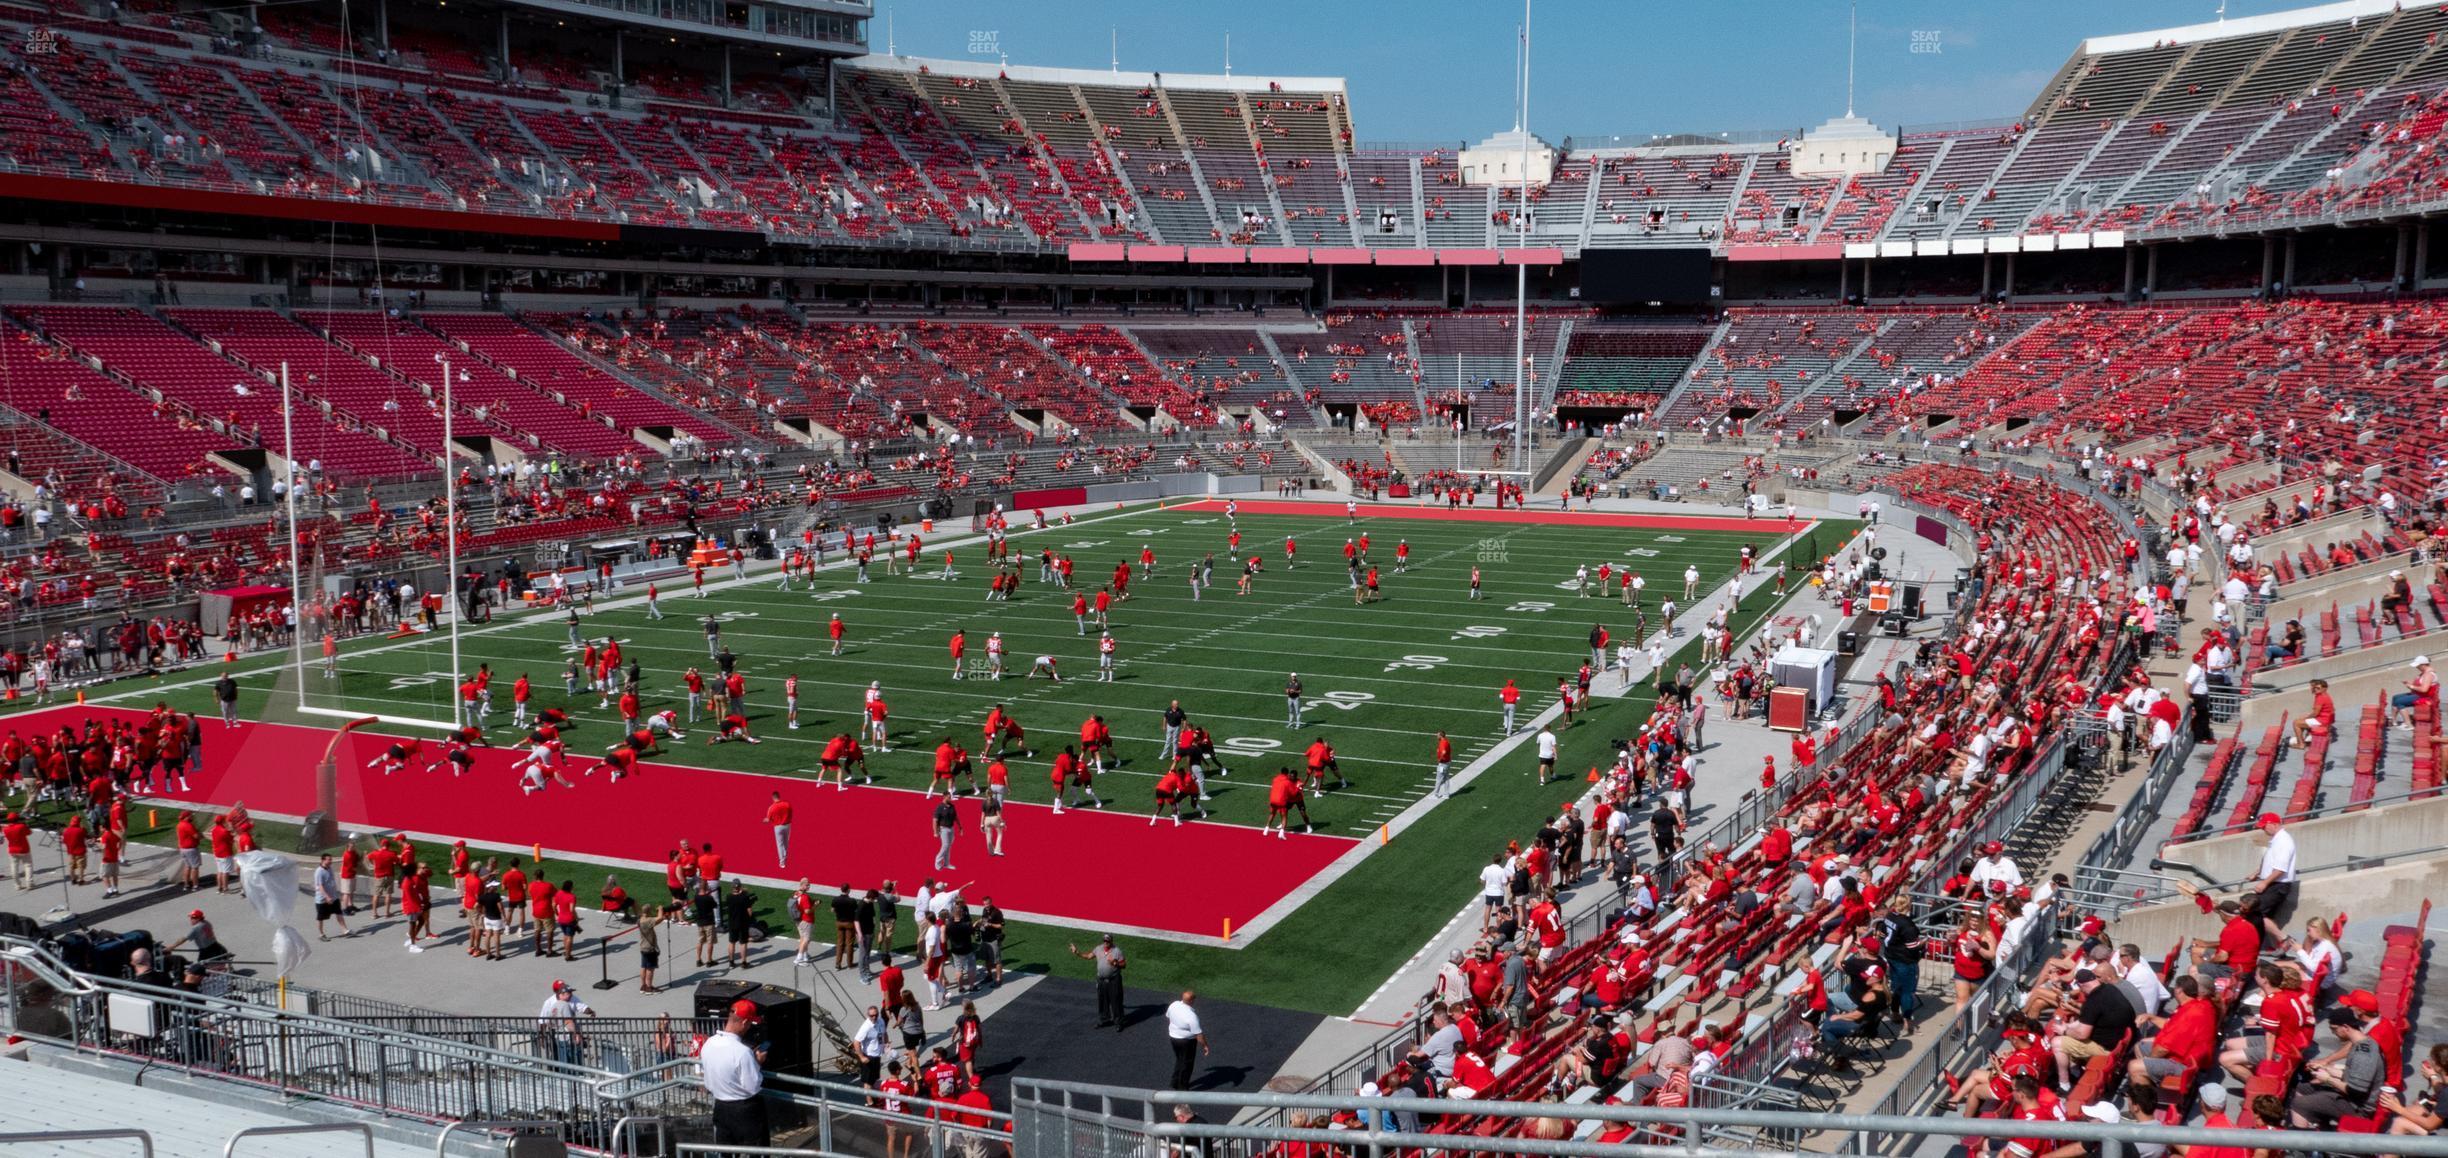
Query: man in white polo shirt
x,y
734,1076
2274,882
1189,1038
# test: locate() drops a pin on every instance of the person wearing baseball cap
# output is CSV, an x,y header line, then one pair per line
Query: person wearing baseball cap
x,y
734,1075
199,938
2272,892
2103,1021
2422,690
557,1023
1995,865
2338,1087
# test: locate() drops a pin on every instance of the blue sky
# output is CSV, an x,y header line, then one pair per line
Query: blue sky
x,y
1435,70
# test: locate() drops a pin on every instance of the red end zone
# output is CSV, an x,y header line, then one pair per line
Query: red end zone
x,y
1476,515
1097,867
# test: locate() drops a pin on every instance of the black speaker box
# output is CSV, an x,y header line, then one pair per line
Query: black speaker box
x,y
788,1031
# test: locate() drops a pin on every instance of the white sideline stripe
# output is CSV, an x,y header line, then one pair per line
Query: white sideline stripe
x,y
1242,935
1308,890
637,600
1763,577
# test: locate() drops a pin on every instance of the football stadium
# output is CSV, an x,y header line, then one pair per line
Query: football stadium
x,y
1121,605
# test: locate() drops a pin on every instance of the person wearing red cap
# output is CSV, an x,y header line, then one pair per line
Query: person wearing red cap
x,y
2272,892
199,938
734,1075
1995,865
557,1024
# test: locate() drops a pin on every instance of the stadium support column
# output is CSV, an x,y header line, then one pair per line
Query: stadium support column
x,y
1844,281
382,24
502,42
2422,256
2269,264
620,71
726,76
2405,250
2286,276
1986,259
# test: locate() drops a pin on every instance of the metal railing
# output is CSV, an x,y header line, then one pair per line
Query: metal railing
x,y
2315,812
363,1132
294,1055
1962,1039
143,1140
845,1118
2117,844
1088,1121
614,1044
612,1096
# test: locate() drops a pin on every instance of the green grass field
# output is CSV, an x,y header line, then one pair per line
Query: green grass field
x,y
1381,680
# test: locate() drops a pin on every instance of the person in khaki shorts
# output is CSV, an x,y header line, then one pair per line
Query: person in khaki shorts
x,y
845,928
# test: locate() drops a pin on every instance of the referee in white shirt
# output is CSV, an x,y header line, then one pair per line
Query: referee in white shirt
x,y
734,1076
1188,1036
2273,894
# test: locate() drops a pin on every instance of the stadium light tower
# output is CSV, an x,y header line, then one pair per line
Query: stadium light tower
x,y
1521,270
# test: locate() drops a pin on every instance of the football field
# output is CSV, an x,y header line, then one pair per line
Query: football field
x,y
1380,679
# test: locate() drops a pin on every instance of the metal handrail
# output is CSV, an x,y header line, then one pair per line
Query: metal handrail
x,y
736,1148
2315,813
365,1133
442,1140
2349,864
1040,1098
142,1138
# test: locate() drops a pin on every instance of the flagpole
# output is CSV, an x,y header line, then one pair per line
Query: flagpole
x,y
1521,271
297,573
450,522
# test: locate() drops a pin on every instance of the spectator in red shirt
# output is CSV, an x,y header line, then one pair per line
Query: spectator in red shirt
x,y
2185,1039
191,856
2238,944
225,853
20,837
540,894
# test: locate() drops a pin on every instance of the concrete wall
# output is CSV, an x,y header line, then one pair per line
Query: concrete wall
x,y
2306,599
2247,475
2389,892
2351,693
2315,534
1171,486
2329,840
2395,655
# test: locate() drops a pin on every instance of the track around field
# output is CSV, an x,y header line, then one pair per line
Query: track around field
x,y
1086,867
